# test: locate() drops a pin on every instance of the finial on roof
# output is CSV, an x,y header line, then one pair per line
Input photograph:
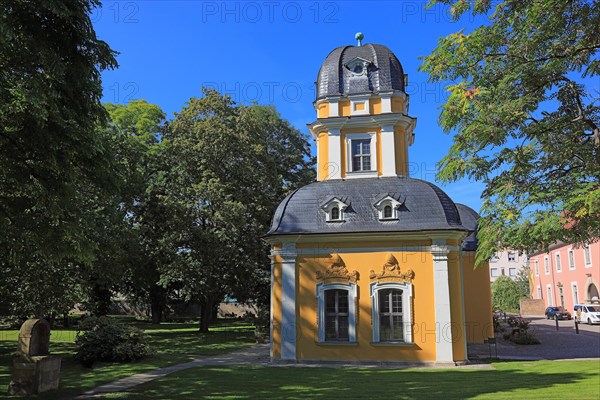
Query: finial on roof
x,y
359,36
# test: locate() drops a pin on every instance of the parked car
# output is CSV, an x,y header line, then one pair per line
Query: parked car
x,y
587,313
557,313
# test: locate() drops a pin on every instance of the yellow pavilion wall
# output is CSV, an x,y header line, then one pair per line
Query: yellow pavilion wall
x,y
478,300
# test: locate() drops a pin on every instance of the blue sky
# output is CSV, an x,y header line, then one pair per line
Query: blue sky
x,y
270,52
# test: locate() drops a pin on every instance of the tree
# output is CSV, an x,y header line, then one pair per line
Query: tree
x,y
136,130
54,162
230,166
526,119
506,294
522,281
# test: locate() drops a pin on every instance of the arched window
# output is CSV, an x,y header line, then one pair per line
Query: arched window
x,y
391,312
391,326
387,212
334,209
337,312
387,208
335,213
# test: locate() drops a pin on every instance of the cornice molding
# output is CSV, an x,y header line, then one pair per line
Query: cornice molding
x,y
350,237
363,121
371,95
439,250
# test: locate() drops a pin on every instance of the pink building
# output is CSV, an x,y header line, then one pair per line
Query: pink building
x,y
566,275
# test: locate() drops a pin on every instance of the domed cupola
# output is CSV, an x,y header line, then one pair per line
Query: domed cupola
x,y
350,70
363,129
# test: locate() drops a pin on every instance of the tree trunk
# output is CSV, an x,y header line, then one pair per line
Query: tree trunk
x,y
101,300
156,311
205,316
156,303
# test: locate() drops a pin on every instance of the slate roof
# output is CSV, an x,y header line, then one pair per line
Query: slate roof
x,y
469,218
385,73
425,207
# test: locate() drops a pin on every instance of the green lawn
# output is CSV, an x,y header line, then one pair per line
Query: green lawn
x,y
172,344
510,380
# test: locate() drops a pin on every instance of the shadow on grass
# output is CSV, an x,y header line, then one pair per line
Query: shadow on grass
x,y
192,343
516,380
171,344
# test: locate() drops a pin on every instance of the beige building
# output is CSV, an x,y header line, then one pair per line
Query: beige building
x,y
507,262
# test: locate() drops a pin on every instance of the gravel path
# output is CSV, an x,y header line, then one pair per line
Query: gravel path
x,y
255,355
555,345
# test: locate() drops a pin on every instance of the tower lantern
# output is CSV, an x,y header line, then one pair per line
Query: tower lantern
x,y
363,128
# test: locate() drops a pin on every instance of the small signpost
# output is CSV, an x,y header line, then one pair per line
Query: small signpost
x,y
490,342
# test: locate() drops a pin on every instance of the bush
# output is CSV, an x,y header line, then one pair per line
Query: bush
x,y
506,294
498,328
524,337
518,322
520,334
103,339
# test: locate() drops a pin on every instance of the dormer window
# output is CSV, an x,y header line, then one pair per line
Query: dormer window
x,y
334,209
387,212
387,206
358,66
335,214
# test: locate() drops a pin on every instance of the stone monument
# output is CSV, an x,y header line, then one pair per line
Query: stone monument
x,y
34,369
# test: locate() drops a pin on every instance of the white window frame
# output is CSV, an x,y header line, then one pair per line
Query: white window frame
x,y
511,254
361,136
387,201
571,257
406,309
511,270
546,265
539,291
587,256
536,264
575,293
549,294
561,296
494,272
557,261
352,295
330,205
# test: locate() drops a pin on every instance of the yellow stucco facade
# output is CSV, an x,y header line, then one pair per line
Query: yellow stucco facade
x,y
470,301
328,166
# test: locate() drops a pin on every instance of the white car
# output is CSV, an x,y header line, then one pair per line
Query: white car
x,y
587,313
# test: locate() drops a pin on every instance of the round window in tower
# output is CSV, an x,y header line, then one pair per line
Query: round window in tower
x,y
358,69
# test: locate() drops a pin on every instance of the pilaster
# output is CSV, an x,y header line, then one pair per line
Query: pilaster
x,y
335,154
440,251
288,302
